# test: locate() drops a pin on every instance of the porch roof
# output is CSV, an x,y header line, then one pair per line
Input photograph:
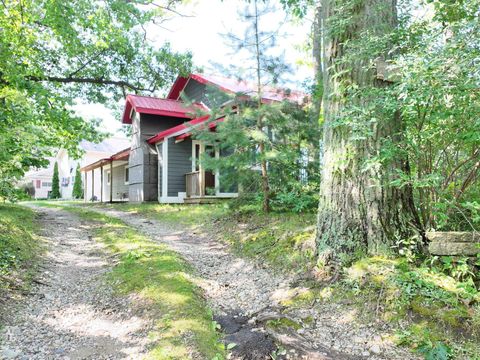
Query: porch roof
x,y
157,106
121,155
183,128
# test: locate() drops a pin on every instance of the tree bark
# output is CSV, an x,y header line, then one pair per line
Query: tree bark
x,y
359,211
317,59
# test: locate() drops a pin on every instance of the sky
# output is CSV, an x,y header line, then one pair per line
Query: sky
x,y
200,33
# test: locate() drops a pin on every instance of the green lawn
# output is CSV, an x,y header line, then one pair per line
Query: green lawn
x,y
158,275
19,246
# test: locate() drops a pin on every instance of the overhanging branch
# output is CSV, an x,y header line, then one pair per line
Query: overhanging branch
x,y
97,81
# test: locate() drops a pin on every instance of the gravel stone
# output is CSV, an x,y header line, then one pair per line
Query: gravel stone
x,y
72,313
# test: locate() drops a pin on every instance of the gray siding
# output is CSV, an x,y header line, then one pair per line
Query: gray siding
x,y
179,163
207,94
120,189
143,160
194,91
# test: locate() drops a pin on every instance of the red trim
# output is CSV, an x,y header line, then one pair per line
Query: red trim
x,y
177,88
202,80
162,135
126,119
211,126
179,114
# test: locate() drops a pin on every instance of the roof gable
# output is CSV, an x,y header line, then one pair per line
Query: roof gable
x,y
157,106
232,86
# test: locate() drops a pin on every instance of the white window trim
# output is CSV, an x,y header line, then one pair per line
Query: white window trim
x,y
164,193
109,178
194,159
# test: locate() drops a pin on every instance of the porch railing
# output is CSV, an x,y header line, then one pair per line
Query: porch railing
x,y
192,181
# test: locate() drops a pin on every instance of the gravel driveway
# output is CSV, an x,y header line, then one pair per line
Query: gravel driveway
x,y
241,292
71,313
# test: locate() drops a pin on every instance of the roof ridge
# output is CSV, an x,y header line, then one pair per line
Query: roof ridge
x,y
155,97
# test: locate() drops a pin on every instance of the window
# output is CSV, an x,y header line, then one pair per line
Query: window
x,y
38,184
46,183
109,180
126,175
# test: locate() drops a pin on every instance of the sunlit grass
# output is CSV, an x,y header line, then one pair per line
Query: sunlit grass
x,y
159,276
283,240
19,245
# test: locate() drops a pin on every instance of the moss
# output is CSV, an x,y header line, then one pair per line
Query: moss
x,y
283,324
309,320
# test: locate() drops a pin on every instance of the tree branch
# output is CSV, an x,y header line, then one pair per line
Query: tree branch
x,y
97,81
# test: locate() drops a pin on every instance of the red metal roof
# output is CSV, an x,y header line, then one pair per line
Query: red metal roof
x,y
269,94
156,106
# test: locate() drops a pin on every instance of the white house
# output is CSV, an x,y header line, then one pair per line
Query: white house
x,y
41,179
92,153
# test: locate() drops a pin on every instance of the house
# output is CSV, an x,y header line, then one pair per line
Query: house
x,y
41,180
92,152
162,163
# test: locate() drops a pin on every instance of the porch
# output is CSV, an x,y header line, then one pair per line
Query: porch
x,y
202,188
110,175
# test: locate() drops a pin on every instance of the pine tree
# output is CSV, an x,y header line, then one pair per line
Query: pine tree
x,y
55,194
77,192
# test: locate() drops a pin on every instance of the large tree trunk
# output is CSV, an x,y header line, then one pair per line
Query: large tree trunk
x,y
317,59
359,211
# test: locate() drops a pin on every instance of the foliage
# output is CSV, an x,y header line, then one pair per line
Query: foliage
x,y
18,245
433,311
55,193
77,191
55,53
164,280
438,99
414,133
257,134
291,152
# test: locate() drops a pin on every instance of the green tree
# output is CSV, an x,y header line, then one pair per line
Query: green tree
x,y
56,53
360,211
55,194
252,124
77,191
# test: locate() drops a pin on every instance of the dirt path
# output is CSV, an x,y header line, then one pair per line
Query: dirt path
x,y
71,312
244,295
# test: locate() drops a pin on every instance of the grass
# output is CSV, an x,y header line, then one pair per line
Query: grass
x,y
283,240
19,246
184,325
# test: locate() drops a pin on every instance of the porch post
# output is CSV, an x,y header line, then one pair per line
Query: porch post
x,y
85,194
111,181
202,171
101,183
93,184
